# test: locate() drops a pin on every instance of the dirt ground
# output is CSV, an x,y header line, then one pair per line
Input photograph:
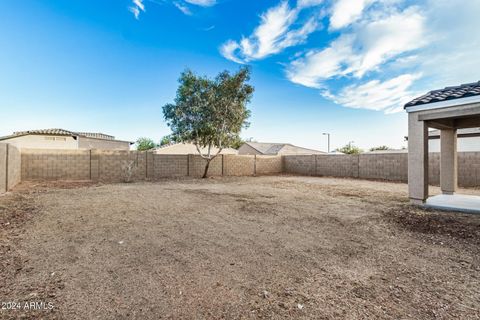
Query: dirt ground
x,y
235,248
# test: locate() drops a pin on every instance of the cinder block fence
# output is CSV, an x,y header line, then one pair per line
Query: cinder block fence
x,y
115,166
381,166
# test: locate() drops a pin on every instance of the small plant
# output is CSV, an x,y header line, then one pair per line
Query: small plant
x,y
128,171
380,148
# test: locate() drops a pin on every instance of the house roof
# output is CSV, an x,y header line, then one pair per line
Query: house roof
x,y
61,132
448,93
276,148
189,148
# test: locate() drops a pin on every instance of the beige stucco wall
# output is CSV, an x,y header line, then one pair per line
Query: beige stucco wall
x,y
245,149
92,143
43,142
10,167
464,144
3,167
288,150
190,148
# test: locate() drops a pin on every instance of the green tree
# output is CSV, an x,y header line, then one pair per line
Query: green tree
x,y
144,144
380,148
350,149
210,112
166,140
239,142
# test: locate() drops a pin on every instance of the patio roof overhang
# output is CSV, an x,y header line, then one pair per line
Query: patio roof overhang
x,y
448,109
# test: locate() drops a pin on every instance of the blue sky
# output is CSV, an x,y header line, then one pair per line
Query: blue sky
x,y
344,67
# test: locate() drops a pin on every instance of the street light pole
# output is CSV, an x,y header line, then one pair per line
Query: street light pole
x,y
328,136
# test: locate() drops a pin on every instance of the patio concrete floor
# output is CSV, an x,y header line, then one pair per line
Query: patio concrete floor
x,y
456,202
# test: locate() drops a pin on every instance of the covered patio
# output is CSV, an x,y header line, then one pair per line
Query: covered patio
x,y
446,109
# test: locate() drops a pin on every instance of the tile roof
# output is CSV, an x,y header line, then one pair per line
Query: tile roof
x,y
61,132
448,93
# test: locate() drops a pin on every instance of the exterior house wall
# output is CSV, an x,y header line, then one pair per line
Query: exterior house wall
x,y
288,149
245,149
464,144
190,148
43,142
93,143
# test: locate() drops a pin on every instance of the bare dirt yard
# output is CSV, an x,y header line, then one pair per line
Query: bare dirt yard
x,y
235,248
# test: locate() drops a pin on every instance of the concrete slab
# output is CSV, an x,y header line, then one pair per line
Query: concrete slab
x,y
456,202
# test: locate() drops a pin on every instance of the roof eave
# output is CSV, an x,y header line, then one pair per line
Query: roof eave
x,y
443,104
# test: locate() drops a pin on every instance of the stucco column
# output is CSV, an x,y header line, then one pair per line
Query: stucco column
x,y
448,161
417,159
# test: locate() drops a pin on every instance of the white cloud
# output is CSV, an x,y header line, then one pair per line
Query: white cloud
x,y
317,66
136,8
273,35
183,8
389,95
345,12
308,3
371,45
203,3
378,53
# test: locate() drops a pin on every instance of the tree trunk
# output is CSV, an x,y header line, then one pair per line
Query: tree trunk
x,y
206,169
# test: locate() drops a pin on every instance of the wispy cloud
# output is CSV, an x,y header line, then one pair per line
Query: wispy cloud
x,y
345,12
402,56
203,3
388,96
364,50
274,33
183,8
137,7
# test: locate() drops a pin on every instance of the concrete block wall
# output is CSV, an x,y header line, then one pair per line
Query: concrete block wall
x,y
382,166
265,165
238,165
112,165
196,165
300,164
469,169
40,164
164,166
337,166
386,166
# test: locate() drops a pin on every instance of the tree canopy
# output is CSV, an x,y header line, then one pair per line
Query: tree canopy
x,y
144,144
210,112
350,149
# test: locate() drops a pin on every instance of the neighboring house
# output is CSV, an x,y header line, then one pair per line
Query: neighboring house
x,y
64,139
274,149
468,140
190,148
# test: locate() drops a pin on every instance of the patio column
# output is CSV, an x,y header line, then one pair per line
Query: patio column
x,y
448,161
417,159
